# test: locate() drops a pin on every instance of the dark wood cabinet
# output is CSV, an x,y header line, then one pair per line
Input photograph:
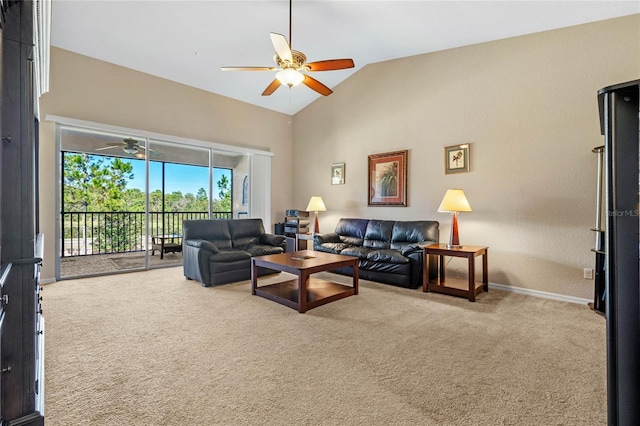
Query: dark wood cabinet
x,y
21,343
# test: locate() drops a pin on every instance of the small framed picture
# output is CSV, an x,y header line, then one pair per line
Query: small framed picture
x,y
456,158
337,174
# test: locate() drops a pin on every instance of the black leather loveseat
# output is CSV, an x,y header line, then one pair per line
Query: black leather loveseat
x,y
389,251
219,251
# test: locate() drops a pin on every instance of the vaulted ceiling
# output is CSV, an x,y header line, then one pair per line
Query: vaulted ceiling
x,y
189,41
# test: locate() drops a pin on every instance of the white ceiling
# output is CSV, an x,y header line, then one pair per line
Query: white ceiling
x,y
188,41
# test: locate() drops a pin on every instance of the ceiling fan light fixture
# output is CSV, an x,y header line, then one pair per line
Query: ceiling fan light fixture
x,y
130,149
290,77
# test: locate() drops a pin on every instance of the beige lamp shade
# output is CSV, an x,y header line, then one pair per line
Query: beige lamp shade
x,y
316,205
454,201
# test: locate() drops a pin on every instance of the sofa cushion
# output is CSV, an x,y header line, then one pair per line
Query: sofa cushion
x,y
229,256
245,232
387,255
408,232
352,231
378,234
359,252
332,247
386,267
218,269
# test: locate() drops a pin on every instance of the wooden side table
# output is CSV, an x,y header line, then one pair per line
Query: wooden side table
x,y
456,287
301,242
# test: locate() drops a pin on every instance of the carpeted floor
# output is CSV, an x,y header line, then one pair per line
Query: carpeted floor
x,y
152,348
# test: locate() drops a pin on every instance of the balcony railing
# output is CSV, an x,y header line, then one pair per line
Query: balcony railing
x,y
88,233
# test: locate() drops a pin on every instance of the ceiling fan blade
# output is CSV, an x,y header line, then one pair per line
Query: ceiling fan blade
x,y
271,88
330,65
316,85
282,47
111,146
249,68
152,151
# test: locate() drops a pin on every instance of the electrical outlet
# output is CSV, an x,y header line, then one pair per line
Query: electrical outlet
x,y
588,273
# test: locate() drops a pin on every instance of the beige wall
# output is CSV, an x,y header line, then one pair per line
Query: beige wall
x,y
87,89
528,107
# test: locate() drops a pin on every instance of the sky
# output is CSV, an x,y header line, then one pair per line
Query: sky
x,y
178,177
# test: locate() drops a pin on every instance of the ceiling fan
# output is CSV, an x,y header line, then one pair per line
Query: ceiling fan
x,y
292,64
131,146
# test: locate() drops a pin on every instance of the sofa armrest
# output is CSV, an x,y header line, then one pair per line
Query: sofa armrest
x,y
195,259
272,240
331,237
410,248
415,247
203,245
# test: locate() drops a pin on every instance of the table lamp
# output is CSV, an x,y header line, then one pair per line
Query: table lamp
x,y
316,205
454,201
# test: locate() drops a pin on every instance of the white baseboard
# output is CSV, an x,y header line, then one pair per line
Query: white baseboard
x,y
538,293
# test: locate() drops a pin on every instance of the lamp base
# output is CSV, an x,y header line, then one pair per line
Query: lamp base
x,y
454,239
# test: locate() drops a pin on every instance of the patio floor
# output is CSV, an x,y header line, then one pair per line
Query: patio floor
x,y
76,266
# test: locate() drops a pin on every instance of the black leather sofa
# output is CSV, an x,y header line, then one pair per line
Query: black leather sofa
x,y
219,251
389,251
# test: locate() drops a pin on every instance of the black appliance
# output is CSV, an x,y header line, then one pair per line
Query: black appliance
x,y
620,124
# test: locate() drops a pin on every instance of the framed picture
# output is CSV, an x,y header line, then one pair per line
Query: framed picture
x,y
388,179
337,174
456,158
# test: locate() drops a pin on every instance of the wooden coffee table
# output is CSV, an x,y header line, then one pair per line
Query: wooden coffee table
x,y
304,292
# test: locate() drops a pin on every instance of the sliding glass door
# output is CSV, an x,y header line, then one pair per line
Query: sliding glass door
x,y
179,188
123,198
102,213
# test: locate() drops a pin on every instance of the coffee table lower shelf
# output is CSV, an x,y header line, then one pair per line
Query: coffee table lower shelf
x,y
319,292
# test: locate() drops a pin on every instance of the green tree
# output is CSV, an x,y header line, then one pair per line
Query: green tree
x,y
174,202
202,201
223,204
155,201
134,200
94,183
